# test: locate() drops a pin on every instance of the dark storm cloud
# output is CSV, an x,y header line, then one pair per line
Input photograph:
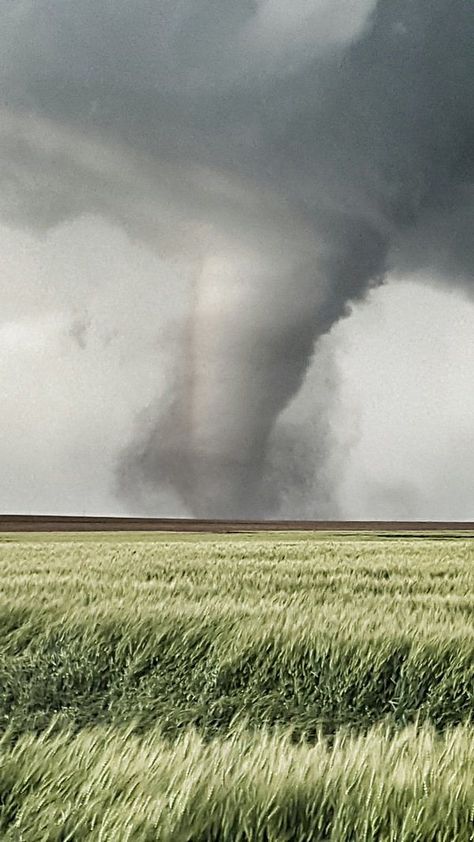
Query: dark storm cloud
x,y
294,151
380,127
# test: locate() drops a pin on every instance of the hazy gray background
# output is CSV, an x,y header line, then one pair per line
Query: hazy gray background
x,y
192,196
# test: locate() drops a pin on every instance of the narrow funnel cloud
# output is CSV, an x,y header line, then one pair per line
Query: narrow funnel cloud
x,y
289,155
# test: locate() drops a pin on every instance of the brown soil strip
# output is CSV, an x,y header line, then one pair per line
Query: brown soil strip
x,y
64,523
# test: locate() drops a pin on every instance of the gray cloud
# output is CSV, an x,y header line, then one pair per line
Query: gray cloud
x,y
288,155
406,357
79,329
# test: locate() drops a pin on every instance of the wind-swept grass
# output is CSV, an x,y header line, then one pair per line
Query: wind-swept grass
x,y
107,784
188,659
298,634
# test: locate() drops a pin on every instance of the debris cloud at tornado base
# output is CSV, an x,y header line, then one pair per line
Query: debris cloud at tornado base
x,y
290,155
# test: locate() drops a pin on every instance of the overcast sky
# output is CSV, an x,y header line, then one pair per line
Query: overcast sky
x,y
237,258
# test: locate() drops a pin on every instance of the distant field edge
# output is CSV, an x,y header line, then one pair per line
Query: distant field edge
x,y
73,523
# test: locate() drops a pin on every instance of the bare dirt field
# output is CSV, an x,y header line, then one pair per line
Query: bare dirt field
x,y
60,523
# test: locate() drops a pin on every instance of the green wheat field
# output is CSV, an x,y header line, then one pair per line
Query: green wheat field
x,y
257,688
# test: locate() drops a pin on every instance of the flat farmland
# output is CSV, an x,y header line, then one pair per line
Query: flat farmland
x,y
245,687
